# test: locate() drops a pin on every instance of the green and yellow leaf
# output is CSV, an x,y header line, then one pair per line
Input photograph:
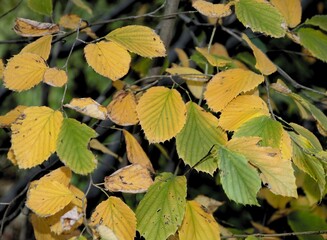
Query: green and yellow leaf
x,y
291,11
138,39
116,215
72,146
55,77
11,116
88,107
46,197
227,85
43,7
108,59
34,135
122,108
260,16
198,224
212,10
133,178
161,211
318,21
41,47
263,64
213,59
24,71
162,113
242,109
199,135
135,153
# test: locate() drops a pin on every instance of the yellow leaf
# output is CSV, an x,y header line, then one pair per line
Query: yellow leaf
x,y
210,204
42,230
62,175
242,109
122,108
55,77
213,59
198,224
2,67
46,197
34,135
226,85
24,71
117,216
286,146
11,156
138,39
106,233
188,73
264,64
135,153
290,9
108,59
276,173
130,179
212,10
183,58
95,144
41,47
30,28
162,113
219,49
73,21
11,116
88,107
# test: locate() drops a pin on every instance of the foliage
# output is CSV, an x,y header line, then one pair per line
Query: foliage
x,y
203,123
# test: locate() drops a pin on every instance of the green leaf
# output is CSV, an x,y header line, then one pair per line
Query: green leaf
x,y
305,159
199,135
260,16
43,7
318,21
162,209
72,146
240,181
315,41
301,221
268,129
308,135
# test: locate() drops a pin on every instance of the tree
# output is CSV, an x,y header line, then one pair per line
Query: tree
x,y
120,131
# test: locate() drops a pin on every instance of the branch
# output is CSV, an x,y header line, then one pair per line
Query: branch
x,y
262,235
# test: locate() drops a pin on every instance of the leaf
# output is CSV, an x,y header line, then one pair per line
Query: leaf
x,y
42,230
73,21
34,135
2,67
88,107
212,10
130,179
116,215
269,130
277,174
188,73
55,77
240,181
318,21
182,56
47,197
30,28
11,116
315,41
226,85
83,5
264,64
106,233
24,71
62,175
242,109
198,223
213,59
161,210
260,16
210,204
301,220
162,113
308,135
41,47
11,157
122,108
138,39
72,146
199,135
43,7
95,144
135,153
291,11
108,59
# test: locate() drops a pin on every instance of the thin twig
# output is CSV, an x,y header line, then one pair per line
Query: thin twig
x,y
9,11
262,235
268,98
